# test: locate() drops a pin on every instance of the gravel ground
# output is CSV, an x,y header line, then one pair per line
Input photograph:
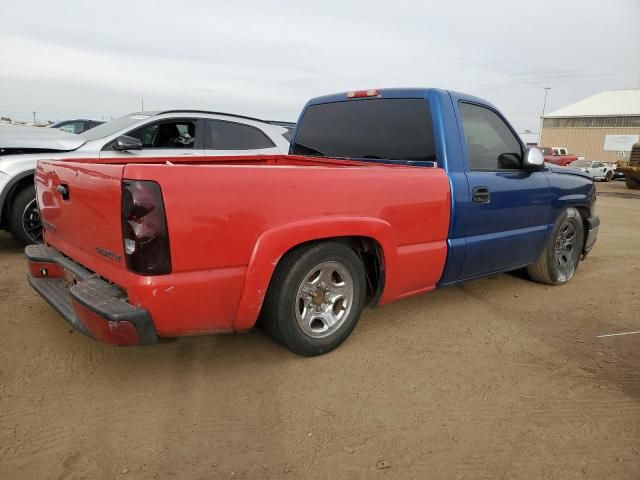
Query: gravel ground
x,y
497,378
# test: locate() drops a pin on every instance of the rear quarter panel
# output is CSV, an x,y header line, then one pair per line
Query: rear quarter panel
x,y
230,224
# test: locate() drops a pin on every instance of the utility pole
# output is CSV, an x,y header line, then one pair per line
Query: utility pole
x,y
142,104
34,118
544,107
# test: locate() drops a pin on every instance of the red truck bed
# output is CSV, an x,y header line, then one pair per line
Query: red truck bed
x,y
232,219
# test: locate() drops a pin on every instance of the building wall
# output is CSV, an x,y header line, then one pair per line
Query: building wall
x,y
587,142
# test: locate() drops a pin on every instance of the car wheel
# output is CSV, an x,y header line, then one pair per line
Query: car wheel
x,y
632,183
25,224
559,260
609,176
315,298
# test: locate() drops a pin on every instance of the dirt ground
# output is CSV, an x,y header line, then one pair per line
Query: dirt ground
x,y
499,378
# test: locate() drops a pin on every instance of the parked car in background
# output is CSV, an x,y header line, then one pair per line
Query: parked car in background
x,y
385,194
171,133
76,126
595,169
557,156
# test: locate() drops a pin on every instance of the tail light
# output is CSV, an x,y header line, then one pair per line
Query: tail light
x,y
144,228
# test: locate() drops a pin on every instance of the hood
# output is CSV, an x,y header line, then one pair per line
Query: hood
x,y
22,139
566,170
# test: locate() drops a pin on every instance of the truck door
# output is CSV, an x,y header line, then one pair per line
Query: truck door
x,y
509,207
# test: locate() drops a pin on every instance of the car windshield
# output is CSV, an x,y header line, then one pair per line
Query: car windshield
x,y
580,164
109,128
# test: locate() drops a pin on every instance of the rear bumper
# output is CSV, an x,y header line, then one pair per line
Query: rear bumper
x,y
593,224
89,304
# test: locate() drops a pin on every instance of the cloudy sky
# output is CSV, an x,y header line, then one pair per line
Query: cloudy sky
x,y
266,58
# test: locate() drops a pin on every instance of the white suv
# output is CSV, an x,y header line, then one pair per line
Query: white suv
x,y
149,134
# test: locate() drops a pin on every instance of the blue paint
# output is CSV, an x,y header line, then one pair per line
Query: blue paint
x,y
513,228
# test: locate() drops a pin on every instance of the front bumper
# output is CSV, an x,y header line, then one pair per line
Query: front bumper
x,y
89,304
593,224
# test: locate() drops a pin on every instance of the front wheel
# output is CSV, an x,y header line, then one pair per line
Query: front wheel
x,y
609,176
315,298
25,223
559,260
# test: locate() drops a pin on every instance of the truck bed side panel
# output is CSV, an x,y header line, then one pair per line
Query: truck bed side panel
x,y
217,213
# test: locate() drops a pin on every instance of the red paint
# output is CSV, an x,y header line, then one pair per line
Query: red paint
x,y
44,270
113,333
231,219
562,160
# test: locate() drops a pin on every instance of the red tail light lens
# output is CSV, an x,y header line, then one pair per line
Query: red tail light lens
x,y
144,228
372,92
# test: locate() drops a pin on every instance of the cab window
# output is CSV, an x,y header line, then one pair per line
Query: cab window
x,y
491,144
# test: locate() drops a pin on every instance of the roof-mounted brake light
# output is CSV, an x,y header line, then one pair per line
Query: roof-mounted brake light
x,y
372,92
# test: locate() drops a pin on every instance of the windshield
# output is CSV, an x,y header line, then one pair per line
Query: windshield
x,y
580,164
109,128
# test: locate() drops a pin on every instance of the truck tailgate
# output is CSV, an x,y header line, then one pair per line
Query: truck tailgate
x,y
80,210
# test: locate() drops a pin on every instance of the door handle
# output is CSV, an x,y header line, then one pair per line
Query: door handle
x,y
481,195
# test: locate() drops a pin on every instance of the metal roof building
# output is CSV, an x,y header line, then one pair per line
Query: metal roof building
x,y
601,127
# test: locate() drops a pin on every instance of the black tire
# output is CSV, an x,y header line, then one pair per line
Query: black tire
x,y
560,257
24,218
609,176
632,183
286,313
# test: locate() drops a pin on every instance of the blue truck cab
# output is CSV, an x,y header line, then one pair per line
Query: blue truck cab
x,y
507,210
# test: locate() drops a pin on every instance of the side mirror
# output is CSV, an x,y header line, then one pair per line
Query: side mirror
x,y
127,143
533,159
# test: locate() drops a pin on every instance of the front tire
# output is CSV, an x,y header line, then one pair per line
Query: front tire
x,y
315,298
559,260
24,221
609,176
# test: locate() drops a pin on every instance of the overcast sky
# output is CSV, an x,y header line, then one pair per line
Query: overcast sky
x,y
265,58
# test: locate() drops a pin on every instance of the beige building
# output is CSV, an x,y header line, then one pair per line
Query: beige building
x,y
601,127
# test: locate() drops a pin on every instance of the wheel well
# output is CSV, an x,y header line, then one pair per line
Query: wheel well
x,y
371,254
17,187
584,214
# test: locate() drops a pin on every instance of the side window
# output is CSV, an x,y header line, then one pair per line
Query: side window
x,y
598,165
74,127
491,145
176,134
236,136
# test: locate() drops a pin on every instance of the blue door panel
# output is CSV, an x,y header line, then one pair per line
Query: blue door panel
x,y
497,251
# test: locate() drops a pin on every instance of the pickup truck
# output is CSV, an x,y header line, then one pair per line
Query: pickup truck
x,y
558,156
384,194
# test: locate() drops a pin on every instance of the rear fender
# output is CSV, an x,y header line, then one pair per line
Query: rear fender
x,y
273,244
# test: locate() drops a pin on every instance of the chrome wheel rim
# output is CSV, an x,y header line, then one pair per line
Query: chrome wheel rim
x,y
31,222
566,245
324,299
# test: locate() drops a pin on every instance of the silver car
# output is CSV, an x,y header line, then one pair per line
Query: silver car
x,y
169,133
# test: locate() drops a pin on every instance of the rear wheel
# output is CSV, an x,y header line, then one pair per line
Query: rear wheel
x,y
609,176
632,183
25,223
315,298
559,260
